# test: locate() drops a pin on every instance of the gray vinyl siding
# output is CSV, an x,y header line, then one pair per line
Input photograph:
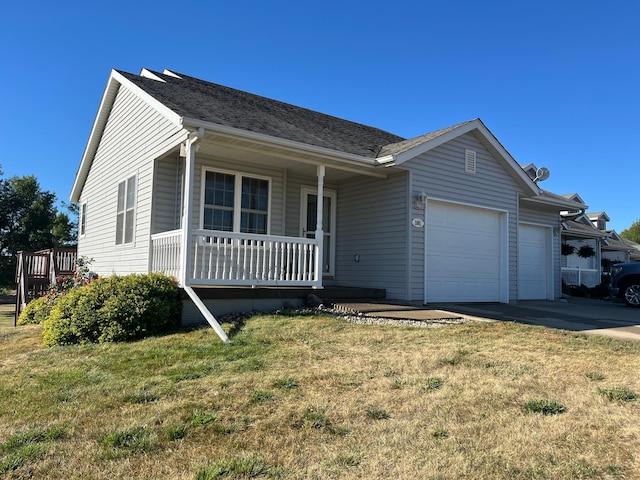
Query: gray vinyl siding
x,y
372,222
440,173
167,193
133,136
548,217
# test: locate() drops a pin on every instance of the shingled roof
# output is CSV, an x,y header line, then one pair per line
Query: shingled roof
x,y
209,102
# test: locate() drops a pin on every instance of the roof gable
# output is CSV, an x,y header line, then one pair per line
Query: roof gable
x,y
400,152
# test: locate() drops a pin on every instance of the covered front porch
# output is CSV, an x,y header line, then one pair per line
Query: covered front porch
x,y
231,212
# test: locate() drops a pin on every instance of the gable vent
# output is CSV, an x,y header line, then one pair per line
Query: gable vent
x,y
469,161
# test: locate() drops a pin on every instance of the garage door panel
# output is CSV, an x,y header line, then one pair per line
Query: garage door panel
x,y
463,254
533,262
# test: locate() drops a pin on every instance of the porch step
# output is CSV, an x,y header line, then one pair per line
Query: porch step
x,y
333,293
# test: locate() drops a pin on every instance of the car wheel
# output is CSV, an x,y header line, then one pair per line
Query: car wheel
x,y
631,294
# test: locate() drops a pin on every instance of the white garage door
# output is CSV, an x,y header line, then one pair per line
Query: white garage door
x,y
464,246
533,262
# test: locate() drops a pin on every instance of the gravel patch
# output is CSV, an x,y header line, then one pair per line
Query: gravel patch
x,y
348,315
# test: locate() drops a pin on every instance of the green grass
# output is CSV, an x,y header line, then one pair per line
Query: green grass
x,y
618,394
316,397
544,406
7,314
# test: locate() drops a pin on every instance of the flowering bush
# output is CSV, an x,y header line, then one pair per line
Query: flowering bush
x,y
81,276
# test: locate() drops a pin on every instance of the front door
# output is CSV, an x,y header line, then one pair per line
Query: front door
x,y
308,221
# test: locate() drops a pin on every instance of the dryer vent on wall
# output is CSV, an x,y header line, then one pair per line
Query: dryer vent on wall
x,y
470,161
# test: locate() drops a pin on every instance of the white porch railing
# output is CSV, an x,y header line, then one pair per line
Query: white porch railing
x,y
580,276
165,252
239,259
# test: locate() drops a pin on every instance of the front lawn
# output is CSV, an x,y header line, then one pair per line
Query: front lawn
x,y
315,397
7,314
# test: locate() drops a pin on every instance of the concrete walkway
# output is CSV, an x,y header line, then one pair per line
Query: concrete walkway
x,y
592,317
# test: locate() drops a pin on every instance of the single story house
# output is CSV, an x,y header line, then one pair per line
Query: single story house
x,y
223,188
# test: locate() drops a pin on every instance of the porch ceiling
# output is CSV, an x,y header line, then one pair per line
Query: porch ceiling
x,y
295,160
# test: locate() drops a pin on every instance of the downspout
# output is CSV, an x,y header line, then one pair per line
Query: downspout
x,y
192,147
319,227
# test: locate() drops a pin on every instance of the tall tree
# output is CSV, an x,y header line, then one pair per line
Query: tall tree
x,y
633,232
29,220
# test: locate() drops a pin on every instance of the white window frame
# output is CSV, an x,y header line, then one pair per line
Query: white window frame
x,y
82,220
237,195
129,213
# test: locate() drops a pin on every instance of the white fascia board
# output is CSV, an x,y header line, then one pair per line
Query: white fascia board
x,y
475,124
583,219
95,135
348,158
108,97
144,96
387,160
435,142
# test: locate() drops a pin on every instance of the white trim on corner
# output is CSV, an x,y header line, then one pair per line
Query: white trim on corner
x,y
504,243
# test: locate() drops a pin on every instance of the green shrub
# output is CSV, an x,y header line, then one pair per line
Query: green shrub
x,y
116,308
35,312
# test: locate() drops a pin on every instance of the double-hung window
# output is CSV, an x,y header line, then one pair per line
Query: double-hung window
x,y
125,218
236,203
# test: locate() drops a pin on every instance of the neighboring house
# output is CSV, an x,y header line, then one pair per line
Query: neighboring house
x,y
582,244
614,248
223,188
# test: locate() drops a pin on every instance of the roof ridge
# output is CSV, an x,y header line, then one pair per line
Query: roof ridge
x,y
199,99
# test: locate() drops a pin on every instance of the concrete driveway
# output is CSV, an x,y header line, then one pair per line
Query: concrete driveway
x,y
593,317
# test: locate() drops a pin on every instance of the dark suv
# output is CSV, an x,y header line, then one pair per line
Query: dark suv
x,y
625,282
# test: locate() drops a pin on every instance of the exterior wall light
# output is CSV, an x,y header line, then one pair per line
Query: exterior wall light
x,y
420,201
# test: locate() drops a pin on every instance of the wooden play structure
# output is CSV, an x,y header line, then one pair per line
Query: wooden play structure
x,y
35,271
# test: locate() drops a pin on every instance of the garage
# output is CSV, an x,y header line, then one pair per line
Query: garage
x,y
465,254
534,260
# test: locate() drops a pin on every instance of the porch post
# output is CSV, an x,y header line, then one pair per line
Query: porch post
x,y
319,227
190,160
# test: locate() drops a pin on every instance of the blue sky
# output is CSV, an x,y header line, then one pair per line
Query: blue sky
x,y
557,82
